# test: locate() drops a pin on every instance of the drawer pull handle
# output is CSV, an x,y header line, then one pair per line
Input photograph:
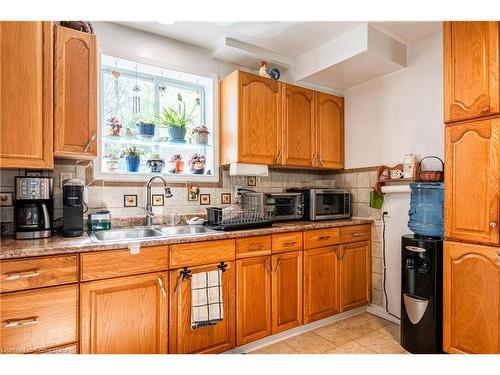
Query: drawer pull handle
x,y
359,234
497,255
493,224
255,247
20,322
323,238
290,243
22,275
162,288
268,267
278,265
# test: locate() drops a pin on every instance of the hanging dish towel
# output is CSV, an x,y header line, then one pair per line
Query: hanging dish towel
x,y
206,298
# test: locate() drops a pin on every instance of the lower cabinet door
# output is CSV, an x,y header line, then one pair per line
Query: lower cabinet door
x,y
253,299
471,314
125,315
355,275
321,287
286,291
211,338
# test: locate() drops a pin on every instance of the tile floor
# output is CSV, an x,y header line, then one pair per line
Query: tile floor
x,y
360,334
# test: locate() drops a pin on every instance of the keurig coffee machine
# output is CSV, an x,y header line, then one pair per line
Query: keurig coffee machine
x,y
72,208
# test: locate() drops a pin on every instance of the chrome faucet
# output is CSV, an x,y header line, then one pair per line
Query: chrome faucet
x,y
149,205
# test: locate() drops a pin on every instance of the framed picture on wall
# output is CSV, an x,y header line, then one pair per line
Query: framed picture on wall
x,y
204,199
130,200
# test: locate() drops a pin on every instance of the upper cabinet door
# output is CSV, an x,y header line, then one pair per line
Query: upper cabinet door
x,y
259,119
298,126
329,131
472,181
75,98
471,70
26,95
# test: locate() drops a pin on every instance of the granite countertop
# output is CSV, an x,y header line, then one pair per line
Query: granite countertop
x,y
11,248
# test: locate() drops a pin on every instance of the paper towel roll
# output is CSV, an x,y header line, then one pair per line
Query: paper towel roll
x,y
395,189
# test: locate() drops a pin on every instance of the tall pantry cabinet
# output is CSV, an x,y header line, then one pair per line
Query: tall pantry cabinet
x,y
472,180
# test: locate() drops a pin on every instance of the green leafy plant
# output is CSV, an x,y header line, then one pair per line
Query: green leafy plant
x,y
146,122
154,156
176,118
132,151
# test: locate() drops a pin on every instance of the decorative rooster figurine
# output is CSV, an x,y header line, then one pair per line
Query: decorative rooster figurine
x,y
273,73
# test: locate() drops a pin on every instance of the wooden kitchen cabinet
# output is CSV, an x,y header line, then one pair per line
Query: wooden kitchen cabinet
x,y
354,275
298,126
253,299
26,95
471,69
75,94
250,119
329,135
125,315
321,283
472,181
286,291
471,315
215,338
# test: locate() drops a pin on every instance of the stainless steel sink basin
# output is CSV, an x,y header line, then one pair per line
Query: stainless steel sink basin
x,y
183,230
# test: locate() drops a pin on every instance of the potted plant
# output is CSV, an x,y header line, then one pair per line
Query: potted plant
x,y
113,126
155,163
197,164
132,157
146,128
112,161
176,120
200,135
176,163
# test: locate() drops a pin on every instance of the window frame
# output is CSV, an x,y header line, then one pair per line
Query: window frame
x,y
100,174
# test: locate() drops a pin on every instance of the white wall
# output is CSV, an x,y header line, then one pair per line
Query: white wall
x,y
398,113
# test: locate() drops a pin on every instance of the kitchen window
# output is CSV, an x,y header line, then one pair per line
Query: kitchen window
x,y
156,120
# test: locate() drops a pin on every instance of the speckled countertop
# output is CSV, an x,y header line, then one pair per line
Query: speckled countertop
x,y
12,248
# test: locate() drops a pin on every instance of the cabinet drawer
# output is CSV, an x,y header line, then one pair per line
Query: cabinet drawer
x,y
253,246
354,233
38,272
37,319
285,242
107,264
65,349
321,238
199,253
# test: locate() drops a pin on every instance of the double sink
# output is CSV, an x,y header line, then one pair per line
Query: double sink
x,y
146,233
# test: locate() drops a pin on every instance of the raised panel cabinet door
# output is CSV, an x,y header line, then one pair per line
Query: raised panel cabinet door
x,y
298,126
472,181
125,315
259,119
75,94
329,131
471,70
355,275
209,339
286,291
471,315
253,299
321,283
26,95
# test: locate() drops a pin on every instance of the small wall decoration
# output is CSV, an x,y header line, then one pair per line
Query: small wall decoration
x,y
6,199
130,200
225,198
158,199
204,199
251,181
193,192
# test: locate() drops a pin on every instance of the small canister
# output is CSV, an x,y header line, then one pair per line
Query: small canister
x,y
409,166
101,220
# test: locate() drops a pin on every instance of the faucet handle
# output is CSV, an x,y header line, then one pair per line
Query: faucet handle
x,y
168,193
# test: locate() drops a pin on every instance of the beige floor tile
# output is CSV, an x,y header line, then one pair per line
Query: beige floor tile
x,y
309,343
350,348
381,343
336,334
363,324
276,348
381,321
392,330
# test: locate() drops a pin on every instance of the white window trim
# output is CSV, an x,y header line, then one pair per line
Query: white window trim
x,y
143,177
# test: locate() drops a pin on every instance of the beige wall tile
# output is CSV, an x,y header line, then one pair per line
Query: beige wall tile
x,y
112,197
377,297
363,179
376,249
364,195
377,265
376,281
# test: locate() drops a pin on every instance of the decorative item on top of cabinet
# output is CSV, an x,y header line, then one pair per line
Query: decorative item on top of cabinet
x,y
75,94
26,128
471,70
329,131
471,314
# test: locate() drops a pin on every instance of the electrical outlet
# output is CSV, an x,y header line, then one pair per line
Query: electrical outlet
x,y
65,176
236,192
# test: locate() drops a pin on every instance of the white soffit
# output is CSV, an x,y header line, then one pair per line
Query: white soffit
x,y
355,57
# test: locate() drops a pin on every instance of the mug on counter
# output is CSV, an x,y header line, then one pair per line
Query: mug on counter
x,y
396,173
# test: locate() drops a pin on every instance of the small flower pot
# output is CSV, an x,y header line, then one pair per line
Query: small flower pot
x,y
146,131
155,165
179,166
197,168
177,134
200,138
133,163
112,164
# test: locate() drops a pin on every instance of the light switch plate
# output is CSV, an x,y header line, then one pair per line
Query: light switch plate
x,y
65,176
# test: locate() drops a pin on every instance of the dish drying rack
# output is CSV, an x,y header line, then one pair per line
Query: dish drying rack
x,y
236,217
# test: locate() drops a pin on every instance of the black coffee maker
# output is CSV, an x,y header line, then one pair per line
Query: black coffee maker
x,y
33,207
72,208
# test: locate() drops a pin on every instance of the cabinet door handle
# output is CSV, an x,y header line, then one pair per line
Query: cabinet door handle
x,y
323,238
290,243
162,288
320,160
89,142
268,266
22,275
278,157
493,224
14,323
485,109
497,255
343,251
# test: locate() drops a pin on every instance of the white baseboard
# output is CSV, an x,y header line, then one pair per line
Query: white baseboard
x,y
294,331
380,311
